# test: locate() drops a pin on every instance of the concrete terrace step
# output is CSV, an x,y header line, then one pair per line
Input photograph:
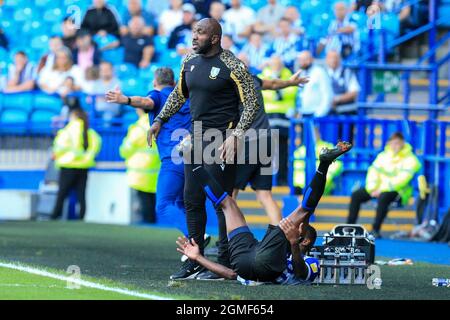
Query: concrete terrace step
x,y
332,210
262,221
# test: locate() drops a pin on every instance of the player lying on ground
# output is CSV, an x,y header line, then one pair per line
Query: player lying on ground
x,y
266,261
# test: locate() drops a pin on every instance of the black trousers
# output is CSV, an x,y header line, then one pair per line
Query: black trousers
x,y
194,203
70,179
147,205
384,200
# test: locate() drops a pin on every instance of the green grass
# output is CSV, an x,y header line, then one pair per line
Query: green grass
x,y
143,259
20,285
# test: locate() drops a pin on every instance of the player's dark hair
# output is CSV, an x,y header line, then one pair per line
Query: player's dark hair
x,y
397,135
164,76
311,234
22,53
80,114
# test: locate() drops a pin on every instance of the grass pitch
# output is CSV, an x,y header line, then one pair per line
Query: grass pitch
x,y
141,259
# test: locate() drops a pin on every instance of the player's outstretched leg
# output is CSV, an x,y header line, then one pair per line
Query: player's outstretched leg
x,y
233,216
315,189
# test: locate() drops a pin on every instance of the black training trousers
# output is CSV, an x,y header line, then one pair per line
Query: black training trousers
x,y
194,203
384,200
147,205
71,179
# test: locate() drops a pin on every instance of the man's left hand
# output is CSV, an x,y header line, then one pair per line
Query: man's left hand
x,y
290,230
228,149
296,80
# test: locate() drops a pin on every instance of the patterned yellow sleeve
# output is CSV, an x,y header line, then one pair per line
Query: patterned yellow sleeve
x,y
177,97
247,93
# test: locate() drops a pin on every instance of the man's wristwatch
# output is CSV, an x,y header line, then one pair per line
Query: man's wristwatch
x,y
128,101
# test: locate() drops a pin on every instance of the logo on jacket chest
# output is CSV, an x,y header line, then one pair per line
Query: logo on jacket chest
x,y
214,73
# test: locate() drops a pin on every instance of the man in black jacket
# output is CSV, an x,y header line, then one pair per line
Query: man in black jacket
x,y
100,19
216,82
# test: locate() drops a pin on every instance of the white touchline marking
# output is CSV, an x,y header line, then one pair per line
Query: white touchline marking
x,y
81,282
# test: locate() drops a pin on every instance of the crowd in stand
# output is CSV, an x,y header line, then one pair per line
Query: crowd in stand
x,y
273,35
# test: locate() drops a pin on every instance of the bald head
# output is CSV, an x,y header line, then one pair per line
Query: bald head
x,y
333,59
206,36
212,26
305,59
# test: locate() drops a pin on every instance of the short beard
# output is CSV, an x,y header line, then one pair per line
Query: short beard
x,y
205,48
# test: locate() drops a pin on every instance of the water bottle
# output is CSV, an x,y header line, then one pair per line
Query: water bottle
x,y
441,282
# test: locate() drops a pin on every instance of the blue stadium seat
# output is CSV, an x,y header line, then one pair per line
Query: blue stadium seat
x,y
43,101
160,43
40,43
133,86
126,70
115,56
19,101
41,117
169,58
54,15
24,14
12,116
14,3
146,75
128,116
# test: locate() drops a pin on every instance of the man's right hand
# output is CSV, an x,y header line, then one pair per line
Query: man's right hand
x,y
153,132
188,248
116,96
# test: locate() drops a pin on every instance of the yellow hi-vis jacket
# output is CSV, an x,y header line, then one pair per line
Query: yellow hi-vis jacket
x,y
393,172
271,99
334,170
68,147
142,162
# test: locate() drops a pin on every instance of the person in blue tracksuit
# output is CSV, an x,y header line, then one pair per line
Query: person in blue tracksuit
x,y
169,195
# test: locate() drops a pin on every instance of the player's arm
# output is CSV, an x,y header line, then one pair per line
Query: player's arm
x,y
192,251
177,97
116,96
277,84
292,234
300,268
247,93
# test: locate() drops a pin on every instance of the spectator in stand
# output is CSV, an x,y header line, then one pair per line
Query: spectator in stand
x,y
54,79
69,33
182,34
359,5
86,53
256,51
216,11
287,44
135,9
342,36
279,106
345,85
267,18
400,8
3,40
48,60
101,20
202,7
138,48
316,96
171,18
228,44
156,7
388,180
21,75
106,82
294,16
239,20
